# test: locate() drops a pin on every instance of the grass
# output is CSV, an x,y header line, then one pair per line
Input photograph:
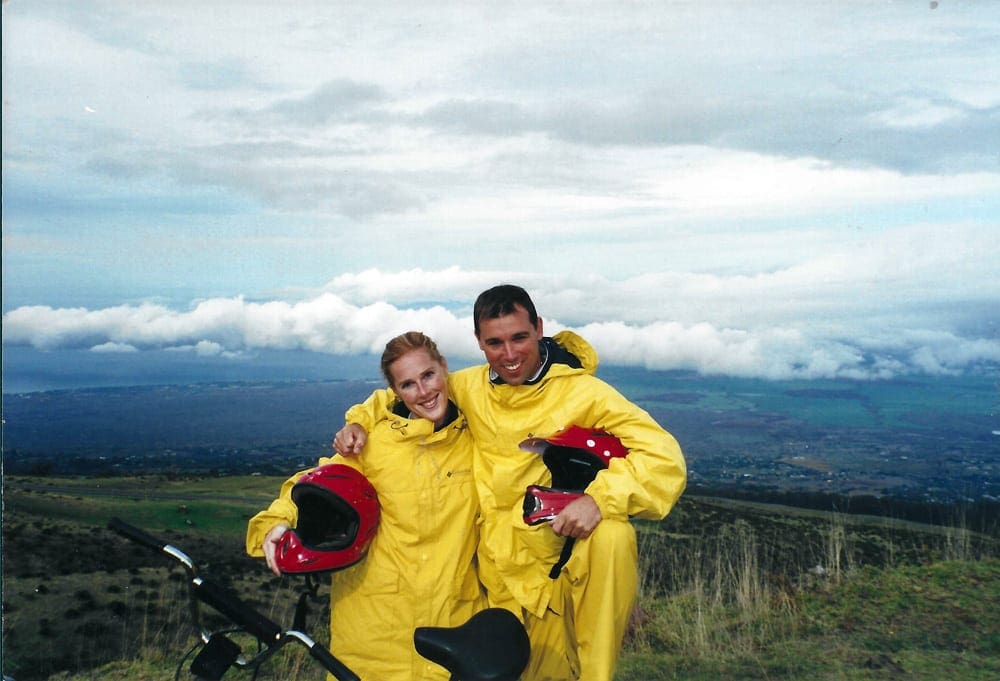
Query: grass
x,y
732,590
926,622
932,622
723,616
945,606
219,506
139,616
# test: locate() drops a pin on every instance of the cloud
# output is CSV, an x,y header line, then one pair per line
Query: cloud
x,y
779,189
753,329
227,73
781,353
205,348
451,286
111,347
323,324
285,116
912,112
335,100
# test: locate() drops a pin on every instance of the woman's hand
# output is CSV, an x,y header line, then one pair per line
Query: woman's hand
x,y
271,540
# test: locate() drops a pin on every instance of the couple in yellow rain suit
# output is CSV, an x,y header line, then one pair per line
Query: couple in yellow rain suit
x,y
531,386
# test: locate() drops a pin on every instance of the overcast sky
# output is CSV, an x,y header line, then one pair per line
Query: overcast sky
x,y
772,189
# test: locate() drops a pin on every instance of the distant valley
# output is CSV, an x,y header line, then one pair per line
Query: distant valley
x,y
927,440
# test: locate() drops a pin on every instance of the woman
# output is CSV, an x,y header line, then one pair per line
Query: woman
x,y
420,569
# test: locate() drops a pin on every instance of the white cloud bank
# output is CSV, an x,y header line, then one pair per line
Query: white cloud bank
x,y
805,322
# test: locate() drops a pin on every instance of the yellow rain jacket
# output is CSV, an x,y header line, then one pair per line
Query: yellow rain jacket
x,y
514,559
420,568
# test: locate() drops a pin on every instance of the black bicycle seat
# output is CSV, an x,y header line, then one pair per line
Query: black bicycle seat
x,y
491,646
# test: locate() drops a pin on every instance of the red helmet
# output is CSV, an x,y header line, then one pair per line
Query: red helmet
x,y
338,516
574,455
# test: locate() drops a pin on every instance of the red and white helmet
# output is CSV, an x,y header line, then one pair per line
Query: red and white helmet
x,y
574,456
338,517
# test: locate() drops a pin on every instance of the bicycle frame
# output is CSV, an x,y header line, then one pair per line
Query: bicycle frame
x,y
219,653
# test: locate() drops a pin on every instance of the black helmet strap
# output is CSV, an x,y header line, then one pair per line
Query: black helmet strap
x,y
310,592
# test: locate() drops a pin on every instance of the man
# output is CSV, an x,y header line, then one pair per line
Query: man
x,y
533,386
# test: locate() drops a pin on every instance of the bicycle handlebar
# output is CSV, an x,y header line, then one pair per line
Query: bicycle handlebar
x,y
230,605
324,657
135,534
332,664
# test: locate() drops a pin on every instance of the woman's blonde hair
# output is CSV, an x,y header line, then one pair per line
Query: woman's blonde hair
x,y
403,344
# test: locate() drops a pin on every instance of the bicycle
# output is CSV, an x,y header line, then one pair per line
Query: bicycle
x,y
491,646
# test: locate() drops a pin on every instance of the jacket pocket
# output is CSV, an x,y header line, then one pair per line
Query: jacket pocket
x,y
371,580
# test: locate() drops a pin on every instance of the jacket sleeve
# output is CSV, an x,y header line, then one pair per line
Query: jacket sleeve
x,y
649,481
282,510
372,410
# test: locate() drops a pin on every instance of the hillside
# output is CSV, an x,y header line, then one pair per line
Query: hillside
x,y
731,589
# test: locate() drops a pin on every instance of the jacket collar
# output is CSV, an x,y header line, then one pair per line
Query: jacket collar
x,y
551,353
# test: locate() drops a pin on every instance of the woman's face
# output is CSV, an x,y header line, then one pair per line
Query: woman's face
x,y
422,384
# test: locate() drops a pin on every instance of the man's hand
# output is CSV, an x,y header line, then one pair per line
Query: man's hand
x,y
578,519
350,440
271,540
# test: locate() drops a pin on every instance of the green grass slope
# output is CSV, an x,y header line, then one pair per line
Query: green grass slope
x,y
937,621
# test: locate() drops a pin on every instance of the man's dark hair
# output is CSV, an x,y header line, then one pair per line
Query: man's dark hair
x,y
500,301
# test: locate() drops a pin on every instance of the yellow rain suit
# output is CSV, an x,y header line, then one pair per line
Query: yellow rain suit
x,y
420,568
576,623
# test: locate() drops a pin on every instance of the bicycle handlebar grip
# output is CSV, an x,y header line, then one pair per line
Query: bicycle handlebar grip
x,y
236,610
332,664
135,534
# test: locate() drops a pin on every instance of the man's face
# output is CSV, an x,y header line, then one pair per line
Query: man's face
x,y
510,344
